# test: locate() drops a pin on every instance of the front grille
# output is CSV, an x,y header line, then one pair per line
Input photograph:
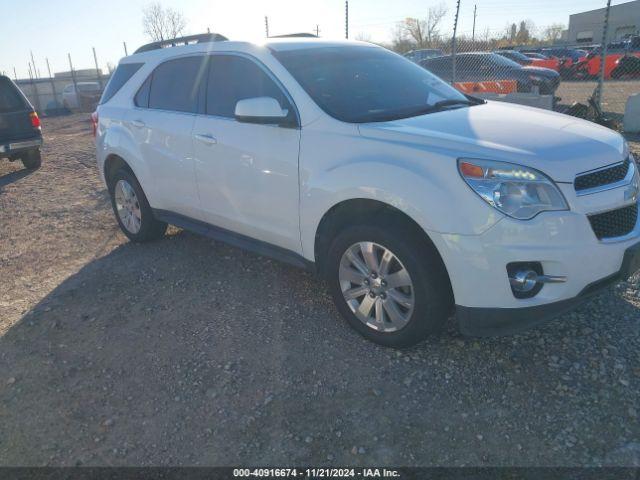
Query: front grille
x,y
602,177
615,223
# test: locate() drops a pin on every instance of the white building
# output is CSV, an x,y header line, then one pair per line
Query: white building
x,y
587,27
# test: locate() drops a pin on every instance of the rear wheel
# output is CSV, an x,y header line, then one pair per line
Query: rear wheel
x,y
132,209
32,159
388,284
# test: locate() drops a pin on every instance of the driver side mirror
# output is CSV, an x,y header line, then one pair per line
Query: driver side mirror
x,y
261,110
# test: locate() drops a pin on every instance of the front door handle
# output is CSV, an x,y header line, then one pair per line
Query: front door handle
x,y
205,138
137,123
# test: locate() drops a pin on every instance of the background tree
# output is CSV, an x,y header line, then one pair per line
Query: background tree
x,y
526,32
553,32
435,15
162,23
414,28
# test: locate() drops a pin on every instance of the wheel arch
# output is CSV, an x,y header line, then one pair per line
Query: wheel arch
x,y
112,164
365,210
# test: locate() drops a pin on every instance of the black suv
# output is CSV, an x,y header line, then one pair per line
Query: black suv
x,y
20,133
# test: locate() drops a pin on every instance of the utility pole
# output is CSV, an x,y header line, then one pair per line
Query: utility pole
x,y
53,84
33,62
266,25
453,45
317,30
95,59
473,34
15,74
346,19
126,54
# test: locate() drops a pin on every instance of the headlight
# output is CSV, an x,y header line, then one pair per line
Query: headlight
x,y
518,191
536,78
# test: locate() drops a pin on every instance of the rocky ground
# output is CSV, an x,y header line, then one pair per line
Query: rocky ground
x,y
190,352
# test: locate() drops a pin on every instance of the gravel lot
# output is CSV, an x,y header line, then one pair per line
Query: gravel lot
x,y
614,96
190,352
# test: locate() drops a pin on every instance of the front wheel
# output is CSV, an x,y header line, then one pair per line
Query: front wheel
x,y
388,283
132,209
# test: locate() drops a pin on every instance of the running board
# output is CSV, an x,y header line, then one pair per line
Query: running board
x,y
235,239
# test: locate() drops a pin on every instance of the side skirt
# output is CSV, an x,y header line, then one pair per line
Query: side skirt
x,y
235,239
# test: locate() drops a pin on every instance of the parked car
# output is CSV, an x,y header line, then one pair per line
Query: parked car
x,y
564,53
627,66
409,198
479,67
85,98
418,55
539,56
526,61
20,131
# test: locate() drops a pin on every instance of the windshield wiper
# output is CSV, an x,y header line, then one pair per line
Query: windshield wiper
x,y
440,106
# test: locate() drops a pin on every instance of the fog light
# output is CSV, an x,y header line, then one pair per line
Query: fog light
x,y
527,278
524,280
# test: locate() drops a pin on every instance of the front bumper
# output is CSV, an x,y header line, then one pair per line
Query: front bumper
x,y
15,147
564,244
484,322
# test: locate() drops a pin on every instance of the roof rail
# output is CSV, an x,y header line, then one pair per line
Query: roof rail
x,y
174,42
295,35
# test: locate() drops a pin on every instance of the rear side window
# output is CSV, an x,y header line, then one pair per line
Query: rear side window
x,y
174,85
232,79
10,98
142,97
121,76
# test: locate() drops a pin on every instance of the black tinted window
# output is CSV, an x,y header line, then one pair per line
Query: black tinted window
x,y
10,98
236,78
364,84
121,76
174,85
142,97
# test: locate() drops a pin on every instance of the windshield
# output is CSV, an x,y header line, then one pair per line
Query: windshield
x,y
518,56
504,61
360,84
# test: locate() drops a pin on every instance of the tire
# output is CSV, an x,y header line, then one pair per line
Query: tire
x,y
430,291
132,211
32,160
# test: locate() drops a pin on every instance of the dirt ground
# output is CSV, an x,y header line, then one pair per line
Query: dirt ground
x,y
190,352
614,95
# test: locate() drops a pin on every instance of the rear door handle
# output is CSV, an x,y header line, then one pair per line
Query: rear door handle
x,y
137,123
205,138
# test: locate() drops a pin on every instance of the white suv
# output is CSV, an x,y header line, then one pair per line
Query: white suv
x,y
409,198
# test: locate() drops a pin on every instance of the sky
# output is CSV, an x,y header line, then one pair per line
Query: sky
x,y
55,28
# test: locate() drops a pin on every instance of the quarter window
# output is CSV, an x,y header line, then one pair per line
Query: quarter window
x,y
175,84
233,78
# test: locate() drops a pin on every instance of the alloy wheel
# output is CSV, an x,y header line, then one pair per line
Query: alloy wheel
x,y
127,206
376,286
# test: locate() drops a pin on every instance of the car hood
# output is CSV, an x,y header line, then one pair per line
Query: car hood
x,y
542,71
559,145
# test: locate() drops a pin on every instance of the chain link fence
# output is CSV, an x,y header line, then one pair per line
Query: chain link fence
x,y
555,66
524,64
71,90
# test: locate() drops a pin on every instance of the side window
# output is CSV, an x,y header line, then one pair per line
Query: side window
x,y
174,84
232,79
142,97
121,76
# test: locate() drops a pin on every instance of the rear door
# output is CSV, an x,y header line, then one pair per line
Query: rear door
x,y
162,123
15,123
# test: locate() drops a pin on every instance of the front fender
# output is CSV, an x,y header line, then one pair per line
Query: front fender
x,y
437,200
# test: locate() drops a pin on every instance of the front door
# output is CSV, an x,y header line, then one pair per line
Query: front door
x,y
247,174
